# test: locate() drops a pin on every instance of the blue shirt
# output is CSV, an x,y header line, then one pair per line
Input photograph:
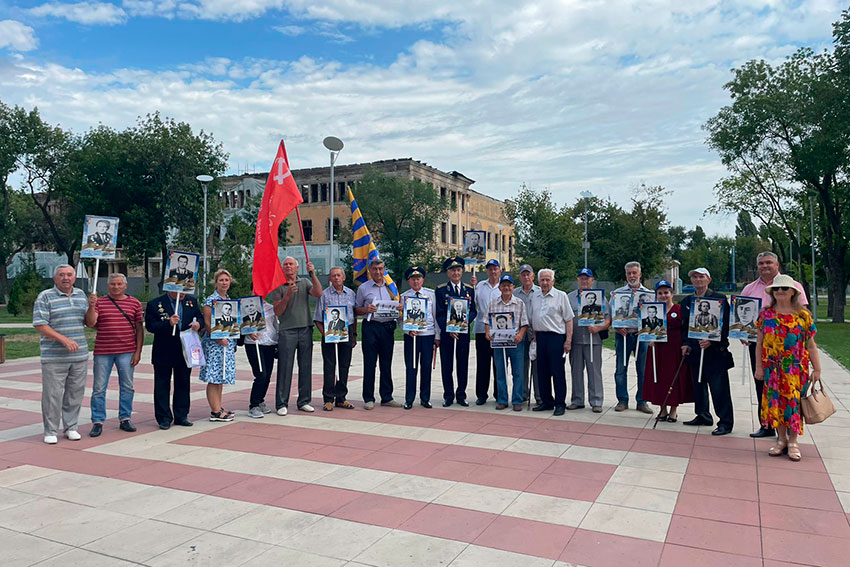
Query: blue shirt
x,y
66,315
331,297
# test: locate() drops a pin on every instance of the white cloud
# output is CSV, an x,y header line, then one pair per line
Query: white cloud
x,y
17,36
88,13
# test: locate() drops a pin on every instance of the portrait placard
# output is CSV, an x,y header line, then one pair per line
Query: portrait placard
x,y
457,318
100,237
742,317
653,322
474,246
387,310
415,314
180,272
591,307
502,330
335,319
226,319
623,315
706,320
253,318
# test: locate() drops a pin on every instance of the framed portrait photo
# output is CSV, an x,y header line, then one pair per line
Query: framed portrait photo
x,y
180,271
706,320
253,318
591,307
457,318
474,246
415,317
623,315
502,330
335,319
100,237
742,317
653,322
226,319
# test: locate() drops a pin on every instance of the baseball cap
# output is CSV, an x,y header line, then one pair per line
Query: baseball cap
x,y
586,272
526,268
506,278
663,283
492,262
703,271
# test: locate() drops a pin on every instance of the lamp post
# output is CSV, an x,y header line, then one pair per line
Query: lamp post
x,y
205,180
334,146
586,245
814,284
499,244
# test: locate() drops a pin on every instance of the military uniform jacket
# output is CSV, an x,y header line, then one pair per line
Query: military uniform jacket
x,y
443,293
165,345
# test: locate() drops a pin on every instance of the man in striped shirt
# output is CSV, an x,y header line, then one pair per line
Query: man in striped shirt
x,y
58,315
118,320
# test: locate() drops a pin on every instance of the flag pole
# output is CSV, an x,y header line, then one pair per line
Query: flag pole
x,y
303,241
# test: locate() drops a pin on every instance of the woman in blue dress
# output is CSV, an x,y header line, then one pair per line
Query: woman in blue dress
x,y
220,354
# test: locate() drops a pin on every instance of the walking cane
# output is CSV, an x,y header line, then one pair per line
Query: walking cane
x,y
669,391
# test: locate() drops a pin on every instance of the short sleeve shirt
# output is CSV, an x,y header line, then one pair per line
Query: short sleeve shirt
x,y
333,298
371,292
297,314
550,312
115,334
514,305
66,315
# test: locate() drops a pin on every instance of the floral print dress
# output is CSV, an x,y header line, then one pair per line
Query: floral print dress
x,y
218,355
785,357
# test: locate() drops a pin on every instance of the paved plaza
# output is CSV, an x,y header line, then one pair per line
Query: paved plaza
x,y
457,486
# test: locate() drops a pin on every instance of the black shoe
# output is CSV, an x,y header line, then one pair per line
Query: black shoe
x,y
407,405
165,425
463,403
96,430
722,430
763,432
559,410
480,401
542,407
697,421
127,426
184,422
427,405
447,403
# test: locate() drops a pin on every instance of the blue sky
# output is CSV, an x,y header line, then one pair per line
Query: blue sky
x,y
563,94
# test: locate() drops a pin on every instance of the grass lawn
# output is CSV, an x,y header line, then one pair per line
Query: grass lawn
x,y
23,343
6,317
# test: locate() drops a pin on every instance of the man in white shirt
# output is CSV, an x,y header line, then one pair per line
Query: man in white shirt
x,y
524,292
485,292
552,322
419,362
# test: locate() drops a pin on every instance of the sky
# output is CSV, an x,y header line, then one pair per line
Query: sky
x,y
564,95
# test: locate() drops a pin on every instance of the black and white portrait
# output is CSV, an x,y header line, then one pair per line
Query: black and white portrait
x,y
742,318
591,307
653,322
226,319
180,272
475,245
706,319
624,315
458,315
100,237
336,324
415,314
253,319
502,330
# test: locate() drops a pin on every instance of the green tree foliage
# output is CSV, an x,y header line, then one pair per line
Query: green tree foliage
x,y
402,215
28,283
786,134
237,247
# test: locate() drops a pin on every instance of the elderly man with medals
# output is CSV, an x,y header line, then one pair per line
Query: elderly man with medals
x,y
419,344
454,347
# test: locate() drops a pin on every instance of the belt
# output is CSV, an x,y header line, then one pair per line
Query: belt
x,y
379,322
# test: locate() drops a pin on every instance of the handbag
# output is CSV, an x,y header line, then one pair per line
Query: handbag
x,y
815,403
193,352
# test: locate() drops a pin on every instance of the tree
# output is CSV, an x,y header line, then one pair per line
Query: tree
x,y
787,134
402,215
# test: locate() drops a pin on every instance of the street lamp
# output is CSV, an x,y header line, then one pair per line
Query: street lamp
x,y
814,284
334,145
205,180
499,244
586,245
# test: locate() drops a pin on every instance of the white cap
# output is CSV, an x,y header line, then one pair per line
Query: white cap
x,y
703,271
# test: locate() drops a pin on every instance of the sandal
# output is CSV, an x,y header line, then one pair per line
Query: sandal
x,y
345,404
794,453
221,415
662,416
781,448
671,418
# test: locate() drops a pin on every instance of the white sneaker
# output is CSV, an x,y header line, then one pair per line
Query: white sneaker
x,y
51,439
308,408
73,435
282,411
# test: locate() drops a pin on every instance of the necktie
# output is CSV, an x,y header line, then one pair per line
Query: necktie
x,y
417,294
457,290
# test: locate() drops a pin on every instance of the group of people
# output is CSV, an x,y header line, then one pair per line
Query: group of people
x,y
682,370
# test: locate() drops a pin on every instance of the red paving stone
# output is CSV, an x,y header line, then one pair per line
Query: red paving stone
x,y
449,522
679,556
800,497
317,499
722,470
526,536
574,488
813,549
804,520
259,489
718,508
719,486
609,550
736,539
379,510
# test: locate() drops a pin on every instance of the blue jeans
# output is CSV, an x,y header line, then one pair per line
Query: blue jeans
x,y
620,374
102,368
516,356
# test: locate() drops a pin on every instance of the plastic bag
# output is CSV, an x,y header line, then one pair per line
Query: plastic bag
x,y
193,352
532,351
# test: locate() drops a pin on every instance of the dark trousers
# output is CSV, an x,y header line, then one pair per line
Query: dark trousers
x,y
484,364
459,349
550,368
715,380
288,342
377,349
162,373
759,383
423,355
262,373
335,355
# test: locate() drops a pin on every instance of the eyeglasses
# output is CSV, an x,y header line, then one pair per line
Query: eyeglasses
x,y
781,288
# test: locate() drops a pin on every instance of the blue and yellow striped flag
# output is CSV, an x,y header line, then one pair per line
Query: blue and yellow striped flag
x,y
363,249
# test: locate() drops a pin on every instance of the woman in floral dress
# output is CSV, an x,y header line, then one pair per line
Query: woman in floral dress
x,y
219,353
786,343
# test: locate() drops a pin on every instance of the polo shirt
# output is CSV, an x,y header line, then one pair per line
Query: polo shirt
x,y
758,288
66,315
297,314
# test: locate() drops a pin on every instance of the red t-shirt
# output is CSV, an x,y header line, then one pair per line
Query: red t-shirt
x,y
114,333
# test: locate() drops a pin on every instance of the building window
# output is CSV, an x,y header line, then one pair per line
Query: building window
x,y
442,192
454,234
340,194
305,193
443,233
488,239
314,193
307,225
510,249
463,202
328,226
324,191
497,242
454,200
503,242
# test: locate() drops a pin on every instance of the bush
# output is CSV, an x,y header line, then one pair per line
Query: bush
x,y
25,288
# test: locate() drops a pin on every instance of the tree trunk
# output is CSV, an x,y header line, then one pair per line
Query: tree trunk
x,y
837,284
4,281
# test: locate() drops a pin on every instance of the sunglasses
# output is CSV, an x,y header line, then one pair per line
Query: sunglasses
x,y
781,288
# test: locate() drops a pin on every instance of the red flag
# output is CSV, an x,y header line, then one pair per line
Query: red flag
x,y
281,196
